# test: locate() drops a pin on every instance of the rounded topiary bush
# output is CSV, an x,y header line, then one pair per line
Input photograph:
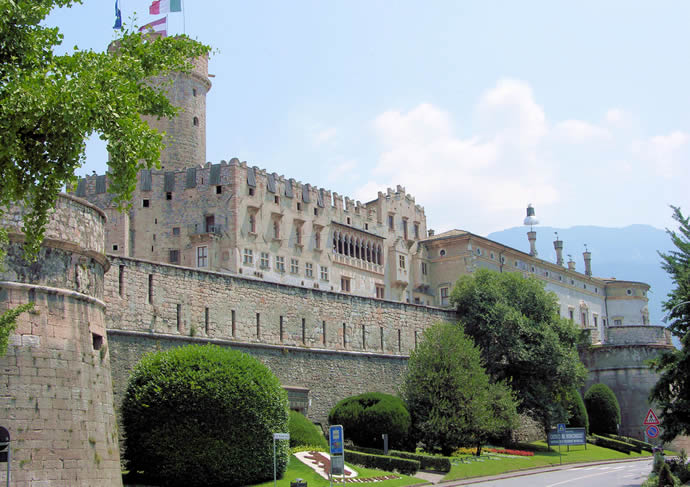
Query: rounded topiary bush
x,y
305,433
603,409
578,412
203,416
367,416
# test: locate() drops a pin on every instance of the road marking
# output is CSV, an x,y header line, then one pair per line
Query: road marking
x,y
578,478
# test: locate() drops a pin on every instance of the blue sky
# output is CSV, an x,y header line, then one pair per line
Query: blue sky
x,y
476,108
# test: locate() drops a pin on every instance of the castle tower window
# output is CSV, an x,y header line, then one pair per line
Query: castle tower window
x,y
219,190
402,261
174,257
298,234
379,259
281,328
317,239
345,284
443,294
179,318
348,220
424,269
97,341
399,341
258,325
121,280
276,229
324,273
323,331
206,321
233,323
364,337
304,331
168,195
316,212
252,223
193,91
280,263
264,260
209,223
150,298
596,320
391,224
294,266
176,231
115,247
308,269
344,335
380,291
146,203
248,257
404,222
251,191
195,121
202,256
299,206
571,314
381,335
416,230
276,199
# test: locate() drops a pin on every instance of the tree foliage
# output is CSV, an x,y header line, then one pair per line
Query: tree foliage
x,y
603,410
50,104
450,397
204,416
523,339
367,416
577,412
672,391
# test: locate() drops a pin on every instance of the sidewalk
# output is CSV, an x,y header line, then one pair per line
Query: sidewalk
x,y
434,478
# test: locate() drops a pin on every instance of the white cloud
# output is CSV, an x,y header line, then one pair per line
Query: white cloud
x,y
580,131
342,169
324,135
668,153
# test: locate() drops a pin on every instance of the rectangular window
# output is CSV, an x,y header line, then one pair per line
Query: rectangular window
x,y
324,273
416,230
280,263
416,338
281,329
252,224
596,321
317,240
210,224
345,284
405,229
121,281
202,256
364,337
299,206
298,234
618,322
219,190
206,320
276,199
264,260
294,266
380,291
251,191
150,289
399,341
584,319
316,212
174,257
168,196
258,325
304,331
424,269
323,331
276,229
146,203
344,335
309,269
391,225
444,296
179,318
571,315
233,324
248,258
402,261
176,231
381,334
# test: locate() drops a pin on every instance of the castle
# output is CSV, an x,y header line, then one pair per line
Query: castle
x,y
332,294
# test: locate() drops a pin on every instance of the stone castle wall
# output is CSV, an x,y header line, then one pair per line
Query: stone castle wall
x,y
310,338
56,392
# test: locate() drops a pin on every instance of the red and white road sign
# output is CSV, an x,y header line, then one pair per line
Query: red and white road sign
x,y
652,431
651,418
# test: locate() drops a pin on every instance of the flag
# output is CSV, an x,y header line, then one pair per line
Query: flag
x,y
165,6
118,16
160,26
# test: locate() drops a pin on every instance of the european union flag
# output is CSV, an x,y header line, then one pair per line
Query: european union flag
x,y
118,16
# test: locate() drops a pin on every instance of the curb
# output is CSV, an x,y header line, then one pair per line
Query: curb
x,y
532,471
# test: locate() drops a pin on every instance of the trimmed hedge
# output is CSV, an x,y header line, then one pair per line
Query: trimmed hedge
x,y
578,412
426,462
603,409
367,416
633,441
304,433
405,467
617,445
191,415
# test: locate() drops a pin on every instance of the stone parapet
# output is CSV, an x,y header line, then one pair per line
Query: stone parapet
x,y
638,335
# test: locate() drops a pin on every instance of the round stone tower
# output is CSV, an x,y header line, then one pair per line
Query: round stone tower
x,y
185,135
56,395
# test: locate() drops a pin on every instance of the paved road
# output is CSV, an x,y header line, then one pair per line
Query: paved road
x,y
630,474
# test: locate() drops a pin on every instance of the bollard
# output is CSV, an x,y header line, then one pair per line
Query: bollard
x,y
298,483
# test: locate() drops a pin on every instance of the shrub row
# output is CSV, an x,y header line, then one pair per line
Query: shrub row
x,y
406,467
426,462
617,445
633,441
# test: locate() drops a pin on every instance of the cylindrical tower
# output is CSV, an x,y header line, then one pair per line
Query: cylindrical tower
x,y
57,399
185,134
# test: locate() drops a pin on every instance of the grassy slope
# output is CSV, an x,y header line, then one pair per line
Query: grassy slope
x,y
540,459
297,469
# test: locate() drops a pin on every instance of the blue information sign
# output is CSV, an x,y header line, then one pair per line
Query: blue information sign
x,y
560,428
571,436
335,439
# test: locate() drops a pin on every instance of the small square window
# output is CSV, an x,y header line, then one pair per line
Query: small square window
x,y
316,212
366,226
146,203
380,291
168,196
176,231
115,247
219,190
345,284
248,258
299,206
349,221
174,257
276,199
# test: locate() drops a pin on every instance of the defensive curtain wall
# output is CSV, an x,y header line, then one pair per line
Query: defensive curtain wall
x,y
55,388
323,346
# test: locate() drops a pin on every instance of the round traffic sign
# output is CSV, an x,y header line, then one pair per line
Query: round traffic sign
x,y
653,431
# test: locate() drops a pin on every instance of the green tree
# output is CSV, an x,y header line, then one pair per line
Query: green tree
x,y
603,409
450,397
577,412
672,391
50,104
204,416
523,339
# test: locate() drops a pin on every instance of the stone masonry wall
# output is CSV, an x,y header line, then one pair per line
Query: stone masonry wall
x,y
55,389
365,345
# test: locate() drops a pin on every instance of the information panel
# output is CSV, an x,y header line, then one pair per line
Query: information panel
x,y
571,436
335,439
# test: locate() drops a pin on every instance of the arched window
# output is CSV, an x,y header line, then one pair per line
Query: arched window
x,y
195,121
379,259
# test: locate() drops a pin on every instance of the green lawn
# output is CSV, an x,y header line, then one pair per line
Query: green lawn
x,y
493,465
297,469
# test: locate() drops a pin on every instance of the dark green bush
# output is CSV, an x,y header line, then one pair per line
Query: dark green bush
x,y
426,462
578,412
203,416
603,409
389,464
305,433
665,477
633,441
367,416
617,445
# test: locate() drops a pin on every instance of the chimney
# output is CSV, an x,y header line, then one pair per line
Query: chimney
x,y
430,232
571,263
532,237
588,261
558,246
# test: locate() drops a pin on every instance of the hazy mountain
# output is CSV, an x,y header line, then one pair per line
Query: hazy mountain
x,y
628,253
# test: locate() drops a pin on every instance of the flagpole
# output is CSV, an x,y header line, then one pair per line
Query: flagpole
x,y
184,21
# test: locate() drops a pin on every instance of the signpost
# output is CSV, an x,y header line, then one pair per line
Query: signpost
x,y
652,423
5,450
337,451
567,436
277,436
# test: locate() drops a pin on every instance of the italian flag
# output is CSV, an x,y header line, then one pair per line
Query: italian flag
x,y
165,6
159,26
